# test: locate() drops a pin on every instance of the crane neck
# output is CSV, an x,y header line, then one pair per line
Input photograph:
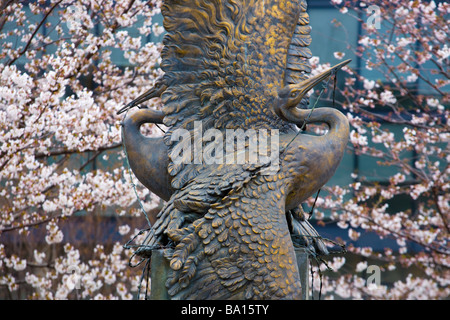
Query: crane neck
x,y
337,122
147,156
134,121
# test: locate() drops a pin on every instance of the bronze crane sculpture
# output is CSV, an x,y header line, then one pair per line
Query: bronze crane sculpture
x,y
227,228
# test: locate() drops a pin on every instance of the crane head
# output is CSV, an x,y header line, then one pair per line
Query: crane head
x,y
291,95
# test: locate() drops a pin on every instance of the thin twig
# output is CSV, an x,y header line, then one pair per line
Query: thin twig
x,y
64,151
33,224
34,33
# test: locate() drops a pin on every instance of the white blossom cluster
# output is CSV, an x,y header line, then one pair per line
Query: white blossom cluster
x,y
410,47
66,68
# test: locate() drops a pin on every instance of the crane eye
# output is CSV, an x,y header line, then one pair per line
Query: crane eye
x,y
293,95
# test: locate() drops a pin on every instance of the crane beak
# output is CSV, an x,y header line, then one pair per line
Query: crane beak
x,y
302,88
143,97
154,92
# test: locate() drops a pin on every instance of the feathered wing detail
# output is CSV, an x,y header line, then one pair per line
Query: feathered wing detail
x,y
304,235
200,193
297,65
240,249
230,236
223,61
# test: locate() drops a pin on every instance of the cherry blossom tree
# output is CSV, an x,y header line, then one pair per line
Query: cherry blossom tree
x,y
67,66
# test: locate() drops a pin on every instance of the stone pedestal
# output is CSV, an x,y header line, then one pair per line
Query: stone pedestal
x,y
159,267
303,268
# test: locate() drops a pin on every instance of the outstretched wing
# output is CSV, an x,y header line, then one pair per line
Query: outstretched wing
x,y
224,61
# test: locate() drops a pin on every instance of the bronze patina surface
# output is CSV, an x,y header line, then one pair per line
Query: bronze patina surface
x,y
228,230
